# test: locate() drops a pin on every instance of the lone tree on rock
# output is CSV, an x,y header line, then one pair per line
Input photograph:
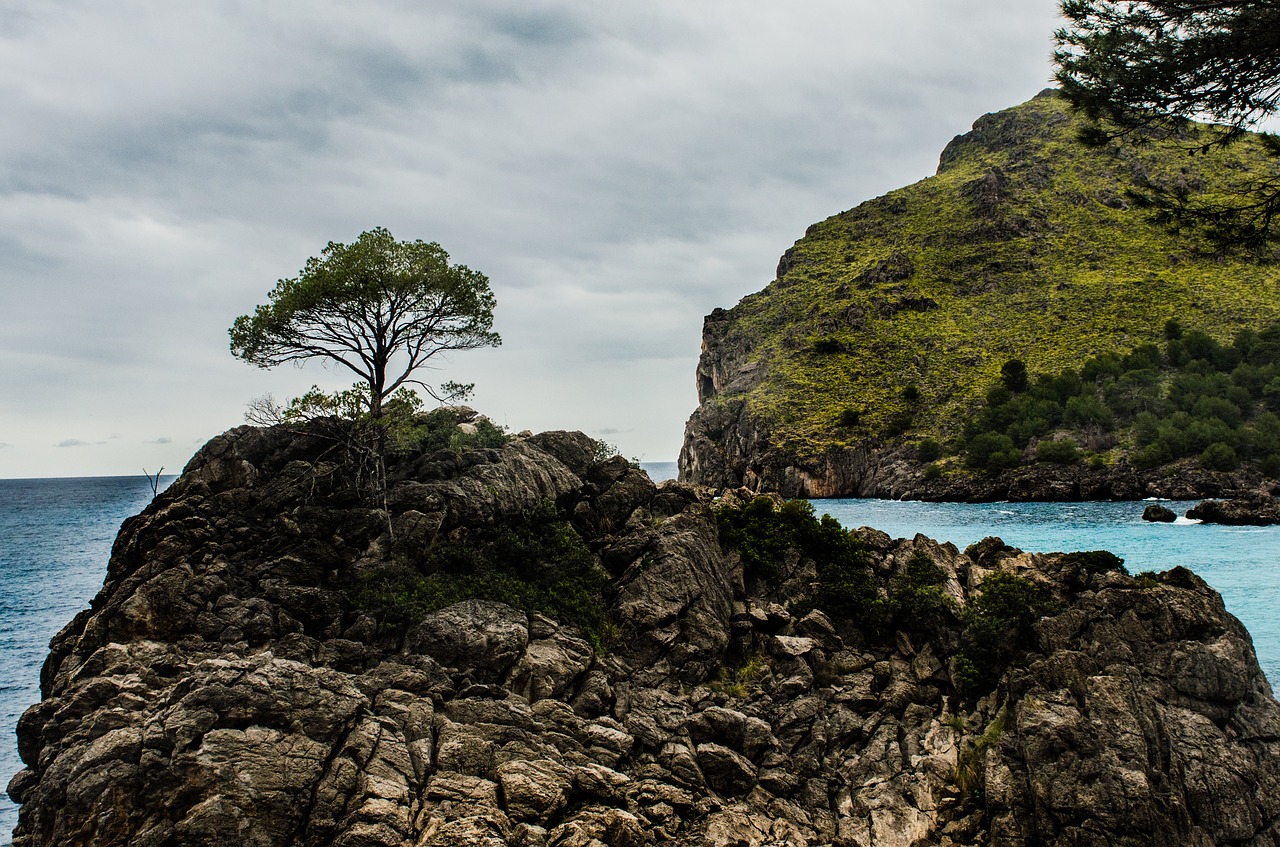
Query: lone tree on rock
x,y
380,307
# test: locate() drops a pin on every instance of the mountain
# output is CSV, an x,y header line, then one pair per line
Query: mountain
x,y
889,325
525,642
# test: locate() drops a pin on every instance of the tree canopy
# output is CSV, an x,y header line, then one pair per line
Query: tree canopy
x,y
379,307
1140,65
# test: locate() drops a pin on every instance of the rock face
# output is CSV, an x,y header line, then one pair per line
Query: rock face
x,y
1253,510
1156,513
225,688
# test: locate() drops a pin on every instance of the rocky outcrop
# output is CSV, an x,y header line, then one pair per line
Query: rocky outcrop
x,y
1155,513
1255,509
228,685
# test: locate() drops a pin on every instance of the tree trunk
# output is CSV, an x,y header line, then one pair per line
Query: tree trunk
x,y
375,387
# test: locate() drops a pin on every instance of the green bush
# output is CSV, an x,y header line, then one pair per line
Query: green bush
x,y
1217,408
992,451
438,430
1219,457
536,562
850,417
928,450
763,535
1178,577
760,533
1105,365
997,628
1152,456
1180,401
1013,374
898,423
917,601
1063,452
1087,411
1094,561
932,472
828,345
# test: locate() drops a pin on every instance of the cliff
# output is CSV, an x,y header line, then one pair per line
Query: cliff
x,y
281,655
866,368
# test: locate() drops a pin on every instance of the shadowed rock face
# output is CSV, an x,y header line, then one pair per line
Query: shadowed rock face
x,y
225,689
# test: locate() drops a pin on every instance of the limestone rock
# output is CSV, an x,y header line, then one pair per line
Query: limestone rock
x,y
477,635
227,686
727,772
534,790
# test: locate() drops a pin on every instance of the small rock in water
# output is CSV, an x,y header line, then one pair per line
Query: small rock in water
x,y
1158,514
1256,510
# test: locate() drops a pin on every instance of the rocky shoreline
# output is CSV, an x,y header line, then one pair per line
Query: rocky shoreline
x,y
727,449
725,445
227,685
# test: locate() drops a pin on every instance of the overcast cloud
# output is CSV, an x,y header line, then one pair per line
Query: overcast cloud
x,y
617,170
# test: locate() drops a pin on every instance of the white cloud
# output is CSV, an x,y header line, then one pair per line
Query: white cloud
x,y
617,171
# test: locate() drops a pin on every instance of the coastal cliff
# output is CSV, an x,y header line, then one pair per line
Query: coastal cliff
x,y
283,654
875,363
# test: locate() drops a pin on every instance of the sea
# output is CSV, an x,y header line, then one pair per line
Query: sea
x,y
56,536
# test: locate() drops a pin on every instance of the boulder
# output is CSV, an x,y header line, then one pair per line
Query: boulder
x,y
474,635
534,790
1158,514
726,771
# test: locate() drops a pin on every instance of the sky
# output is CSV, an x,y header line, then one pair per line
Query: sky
x,y
617,170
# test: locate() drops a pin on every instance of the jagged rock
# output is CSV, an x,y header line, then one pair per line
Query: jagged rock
x,y
676,611
727,772
226,687
474,635
1256,510
1158,514
534,790
550,666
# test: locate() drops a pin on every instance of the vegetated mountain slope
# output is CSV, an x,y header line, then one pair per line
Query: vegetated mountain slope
x,y
889,323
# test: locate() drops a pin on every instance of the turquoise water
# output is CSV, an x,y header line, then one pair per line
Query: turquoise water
x,y
660,471
1242,563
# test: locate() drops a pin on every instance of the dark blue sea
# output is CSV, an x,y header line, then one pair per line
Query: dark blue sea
x,y
56,535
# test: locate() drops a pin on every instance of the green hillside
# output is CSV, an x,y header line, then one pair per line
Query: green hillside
x,y
890,322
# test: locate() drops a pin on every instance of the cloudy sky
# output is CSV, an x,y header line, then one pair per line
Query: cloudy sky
x,y
616,169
